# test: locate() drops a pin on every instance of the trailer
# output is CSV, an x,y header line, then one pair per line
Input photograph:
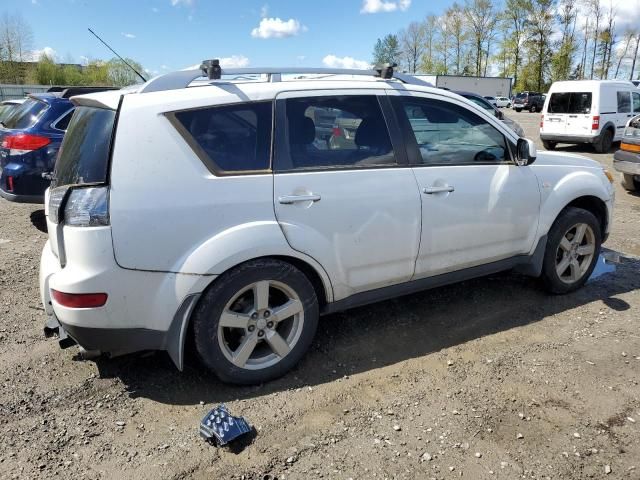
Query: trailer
x,y
485,86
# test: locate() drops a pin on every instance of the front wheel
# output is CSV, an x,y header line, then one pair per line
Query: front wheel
x,y
573,246
256,321
518,110
549,145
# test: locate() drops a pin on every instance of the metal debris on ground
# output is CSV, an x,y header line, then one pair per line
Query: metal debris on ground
x,y
220,427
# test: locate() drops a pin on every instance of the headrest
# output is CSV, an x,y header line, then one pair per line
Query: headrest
x,y
372,132
302,131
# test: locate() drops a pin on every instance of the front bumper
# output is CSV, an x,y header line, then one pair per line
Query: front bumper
x,y
627,162
559,138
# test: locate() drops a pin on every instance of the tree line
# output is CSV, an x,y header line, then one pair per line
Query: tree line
x,y
17,62
535,42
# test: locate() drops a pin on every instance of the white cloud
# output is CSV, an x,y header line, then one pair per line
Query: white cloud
x,y
48,51
277,28
264,11
84,60
377,6
176,3
155,9
128,35
234,61
332,61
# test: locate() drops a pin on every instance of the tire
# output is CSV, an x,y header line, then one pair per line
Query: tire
x,y
603,144
518,110
533,109
564,268
508,105
629,183
244,350
548,145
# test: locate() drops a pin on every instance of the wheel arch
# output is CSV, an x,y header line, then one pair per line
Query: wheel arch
x,y
594,205
180,339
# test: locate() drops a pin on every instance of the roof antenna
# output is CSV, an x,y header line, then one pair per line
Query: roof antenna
x,y
116,54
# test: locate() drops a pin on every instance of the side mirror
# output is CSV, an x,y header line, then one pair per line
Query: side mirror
x,y
526,152
499,115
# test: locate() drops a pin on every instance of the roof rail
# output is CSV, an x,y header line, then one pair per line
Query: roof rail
x,y
72,91
211,69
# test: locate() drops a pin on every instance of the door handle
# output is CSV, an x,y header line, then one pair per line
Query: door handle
x,y
290,199
442,189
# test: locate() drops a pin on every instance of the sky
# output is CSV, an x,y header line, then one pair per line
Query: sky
x,y
166,35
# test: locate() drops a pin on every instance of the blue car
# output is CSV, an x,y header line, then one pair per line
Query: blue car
x,y
30,138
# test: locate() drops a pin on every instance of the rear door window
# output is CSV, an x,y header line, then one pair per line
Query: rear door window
x,y
84,154
570,102
231,138
345,131
636,102
624,102
63,123
26,115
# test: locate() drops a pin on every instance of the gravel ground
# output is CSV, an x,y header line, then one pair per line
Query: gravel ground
x,y
491,378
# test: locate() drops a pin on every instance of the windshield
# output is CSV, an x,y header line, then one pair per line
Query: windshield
x,y
570,102
84,154
25,115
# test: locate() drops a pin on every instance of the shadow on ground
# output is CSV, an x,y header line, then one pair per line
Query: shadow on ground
x,y
381,334
39,220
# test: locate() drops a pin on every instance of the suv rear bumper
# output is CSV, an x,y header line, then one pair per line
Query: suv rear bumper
x,y
144,310
559,138
13,197
627,162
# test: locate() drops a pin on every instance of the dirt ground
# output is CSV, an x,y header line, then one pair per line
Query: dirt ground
x,y
487,379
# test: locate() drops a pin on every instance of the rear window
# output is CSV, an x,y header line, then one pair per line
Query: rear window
x,y
229,139
84,154
570,102
26,115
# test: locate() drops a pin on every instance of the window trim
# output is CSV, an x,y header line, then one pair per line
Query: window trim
x,y
413,151
55,122
209,162
281,131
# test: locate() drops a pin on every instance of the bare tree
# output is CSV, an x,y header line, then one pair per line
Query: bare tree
x,y
412,42
596,13
16,39
481,17
541,21
607,39
430,36
516,17
454,16
635,56
628,36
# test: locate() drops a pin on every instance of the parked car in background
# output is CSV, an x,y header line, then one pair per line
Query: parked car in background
x,y
30,138
492,100
522,99
503,102
636,83
432,190
492,110
536,103
8,106
588,111
627,159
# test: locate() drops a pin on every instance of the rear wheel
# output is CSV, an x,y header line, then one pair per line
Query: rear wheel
x,y
573,246
603,144
256,321
629,183
549,145
533,109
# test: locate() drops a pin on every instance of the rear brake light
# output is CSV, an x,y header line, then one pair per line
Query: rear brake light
x,y
10,184
595,123
79,300
541,121
628,147
25,142
87,207
337,132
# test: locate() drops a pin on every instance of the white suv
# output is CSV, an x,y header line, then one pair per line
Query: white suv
x,y
236,212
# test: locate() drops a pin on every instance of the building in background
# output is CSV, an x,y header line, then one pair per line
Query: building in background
x,y
485,86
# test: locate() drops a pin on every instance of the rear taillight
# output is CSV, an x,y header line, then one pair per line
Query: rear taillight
x,y
24,142
79,207
79,300
337,132
595,123
541,121
10,184
87,207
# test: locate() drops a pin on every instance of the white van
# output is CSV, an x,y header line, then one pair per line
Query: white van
x,y
588,111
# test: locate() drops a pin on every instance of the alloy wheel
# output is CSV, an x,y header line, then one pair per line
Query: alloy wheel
x,y
575,253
